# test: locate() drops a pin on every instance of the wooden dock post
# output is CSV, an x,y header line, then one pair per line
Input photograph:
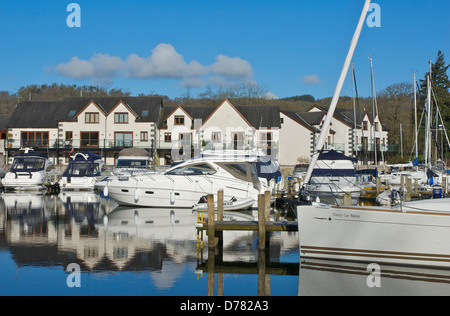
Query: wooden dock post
x,y
378,186
444,185
347,198
261,222
219,234
211,222
267,205
408,194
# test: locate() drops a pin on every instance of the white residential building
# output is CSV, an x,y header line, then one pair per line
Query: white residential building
x,y
183,131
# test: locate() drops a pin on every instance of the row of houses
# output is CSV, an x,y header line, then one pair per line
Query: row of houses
x,y
108,124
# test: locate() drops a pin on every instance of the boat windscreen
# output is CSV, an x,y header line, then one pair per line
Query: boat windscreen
x,y
191,170
75,169
244,171
28,164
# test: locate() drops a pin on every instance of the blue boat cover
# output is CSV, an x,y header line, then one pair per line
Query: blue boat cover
x,y
334,155
83,166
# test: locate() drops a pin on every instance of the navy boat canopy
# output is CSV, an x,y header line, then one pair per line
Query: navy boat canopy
x,y
28,162
267,168
83,165
334,155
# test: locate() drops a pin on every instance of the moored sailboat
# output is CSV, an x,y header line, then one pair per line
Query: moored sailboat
x,y
415,233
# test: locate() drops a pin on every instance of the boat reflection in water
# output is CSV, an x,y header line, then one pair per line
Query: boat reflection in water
x,y
342,278
44,234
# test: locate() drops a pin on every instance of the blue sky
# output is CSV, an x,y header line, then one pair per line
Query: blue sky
x,y
290,47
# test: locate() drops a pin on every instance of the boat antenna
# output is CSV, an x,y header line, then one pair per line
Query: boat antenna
x,y
335,99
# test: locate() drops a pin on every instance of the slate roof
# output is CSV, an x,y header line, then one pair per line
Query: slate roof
x,y
3,122
267,116
39,114
47,114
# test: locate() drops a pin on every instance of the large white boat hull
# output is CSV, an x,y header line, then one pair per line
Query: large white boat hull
x,y
185,192
413,235
24,181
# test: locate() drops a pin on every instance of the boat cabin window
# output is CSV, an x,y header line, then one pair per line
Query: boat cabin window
x,y
191,170
243,171
131,163
239,170
82,170
28,164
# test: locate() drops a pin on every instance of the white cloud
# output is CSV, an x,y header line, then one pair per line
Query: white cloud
x,y
233,67
101,67
164,62
311,79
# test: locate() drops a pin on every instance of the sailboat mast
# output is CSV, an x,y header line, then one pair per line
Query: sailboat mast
x,y
355,149
335,99
427,125
415,116
375,160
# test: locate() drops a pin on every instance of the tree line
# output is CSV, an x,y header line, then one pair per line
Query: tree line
x,y
395,103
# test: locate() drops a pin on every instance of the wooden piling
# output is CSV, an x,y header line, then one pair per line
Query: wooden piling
x,y
347,198
219,234
211,222
378,186
267,205
220,205
261,222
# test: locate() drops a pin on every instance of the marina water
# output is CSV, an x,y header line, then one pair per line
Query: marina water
x,y
77,243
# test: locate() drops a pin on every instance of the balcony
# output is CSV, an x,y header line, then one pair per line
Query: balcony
x,y
266,147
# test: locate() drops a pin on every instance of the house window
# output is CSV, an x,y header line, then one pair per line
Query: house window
x,y
376,126
144,136
179,120
91,117
216,137
365,125
89,139
69,135
123,139
34,139
121,118
167,137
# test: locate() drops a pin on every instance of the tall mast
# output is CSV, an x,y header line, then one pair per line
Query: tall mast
x,y
354,114
334,100
427,125
415,116
375,160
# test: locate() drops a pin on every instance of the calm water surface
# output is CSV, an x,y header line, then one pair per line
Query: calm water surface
x,y
128,251
142,251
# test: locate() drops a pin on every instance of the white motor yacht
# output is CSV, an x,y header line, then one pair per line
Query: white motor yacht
x,y
28,171
333,176
83,171
184,184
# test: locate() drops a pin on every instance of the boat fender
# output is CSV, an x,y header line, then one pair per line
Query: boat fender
x,y
172,198
105,220
136,217
136,196
105,191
